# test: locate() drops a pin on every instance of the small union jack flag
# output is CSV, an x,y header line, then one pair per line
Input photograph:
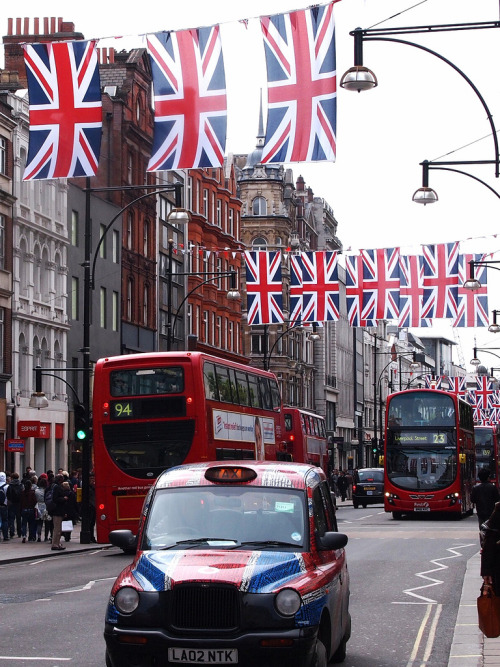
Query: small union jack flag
x,y
440,280
484,393
302,85
411,292
372,286
320,287
264,287
189,84
458,386
296,288
65,109
433,381
472,308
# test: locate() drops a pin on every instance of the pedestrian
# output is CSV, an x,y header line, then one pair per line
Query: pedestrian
x,y
342,485
349,480
484,496
28,519
490,552
40,507
333,482
71,509
4,510
14,504
58,511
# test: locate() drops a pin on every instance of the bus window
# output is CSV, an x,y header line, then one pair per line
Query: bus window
x,y
288,422
265,393
224,384
242,385
275,395
210,382
253,391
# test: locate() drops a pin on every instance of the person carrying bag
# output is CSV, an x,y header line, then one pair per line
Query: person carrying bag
x,y
488,603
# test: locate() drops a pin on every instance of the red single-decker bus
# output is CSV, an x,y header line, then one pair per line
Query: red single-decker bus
x,y
429,456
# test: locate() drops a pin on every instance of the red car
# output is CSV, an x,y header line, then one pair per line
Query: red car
x,y
237,563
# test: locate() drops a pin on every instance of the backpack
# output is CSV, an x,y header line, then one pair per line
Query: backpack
x,y
3,495
14,492
49,502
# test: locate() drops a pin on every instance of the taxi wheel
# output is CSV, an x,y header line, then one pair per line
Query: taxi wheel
x,y
355,505
320,658
108,660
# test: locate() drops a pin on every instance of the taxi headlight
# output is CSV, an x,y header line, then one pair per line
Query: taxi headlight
x,y
127,600
287,602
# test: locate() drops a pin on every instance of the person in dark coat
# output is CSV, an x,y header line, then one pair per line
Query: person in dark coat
x,y
490,552
28,518
342,484
484,496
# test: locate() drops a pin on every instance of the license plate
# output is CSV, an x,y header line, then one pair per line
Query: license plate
x,y
369,493
370,488
421,509
203,656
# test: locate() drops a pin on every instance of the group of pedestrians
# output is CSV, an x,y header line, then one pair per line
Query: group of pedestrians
x,y
341,482
36,505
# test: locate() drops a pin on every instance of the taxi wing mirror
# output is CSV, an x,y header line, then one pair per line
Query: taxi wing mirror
x,y
124,539
331,541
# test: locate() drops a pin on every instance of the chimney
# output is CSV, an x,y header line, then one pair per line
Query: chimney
x,y
54,30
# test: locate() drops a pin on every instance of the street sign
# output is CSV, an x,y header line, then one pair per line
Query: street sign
x,y
14,445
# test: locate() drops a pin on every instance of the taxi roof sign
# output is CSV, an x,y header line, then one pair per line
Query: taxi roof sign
x,y
230,474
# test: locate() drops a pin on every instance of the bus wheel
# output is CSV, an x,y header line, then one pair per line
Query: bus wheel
x,y
397,515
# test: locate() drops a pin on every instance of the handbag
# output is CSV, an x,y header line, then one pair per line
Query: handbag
x,y
66,526
488,611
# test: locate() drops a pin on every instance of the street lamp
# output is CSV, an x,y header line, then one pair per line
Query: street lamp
x,y
426,195
359,78
472,283
475,361
494,327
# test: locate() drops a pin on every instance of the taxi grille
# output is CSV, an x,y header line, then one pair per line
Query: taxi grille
x,y
205,607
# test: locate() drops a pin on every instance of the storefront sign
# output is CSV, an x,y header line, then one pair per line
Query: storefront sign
x,y
14,445
32,429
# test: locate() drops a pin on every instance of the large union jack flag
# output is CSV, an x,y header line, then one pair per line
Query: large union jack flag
x,y
320,286
264,287
302,85
372,286
472,307
484,393
189,84
458,386
65,109
440,280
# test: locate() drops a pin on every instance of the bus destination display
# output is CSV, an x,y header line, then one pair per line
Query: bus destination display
x,y
420,438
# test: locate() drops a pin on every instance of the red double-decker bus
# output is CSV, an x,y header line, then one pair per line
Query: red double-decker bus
x,y
305,437
429,456
157,410
487,442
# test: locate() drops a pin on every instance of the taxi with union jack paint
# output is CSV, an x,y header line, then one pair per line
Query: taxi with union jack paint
x,y
237,563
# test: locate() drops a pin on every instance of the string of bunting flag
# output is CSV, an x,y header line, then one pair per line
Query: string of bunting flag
x,y
190,103
485,399
380,284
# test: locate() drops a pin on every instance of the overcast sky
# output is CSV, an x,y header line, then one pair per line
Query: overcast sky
x,y
422,109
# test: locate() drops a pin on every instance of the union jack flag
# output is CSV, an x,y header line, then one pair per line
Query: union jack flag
x,y
440,280
320,286
433,381
189,85
296,288
472,309
302,85
411,292
458,386
484,393
372,286
65,109
264,287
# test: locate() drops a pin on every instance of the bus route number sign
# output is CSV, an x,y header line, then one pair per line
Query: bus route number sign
x,y
122,410
422,438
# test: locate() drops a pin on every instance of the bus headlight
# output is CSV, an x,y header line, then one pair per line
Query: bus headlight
x,y
287,602
127,600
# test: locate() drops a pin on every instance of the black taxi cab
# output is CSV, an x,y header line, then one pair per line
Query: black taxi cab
x,y
237,563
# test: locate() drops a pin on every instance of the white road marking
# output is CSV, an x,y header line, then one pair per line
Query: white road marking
x,y
33,659
85,587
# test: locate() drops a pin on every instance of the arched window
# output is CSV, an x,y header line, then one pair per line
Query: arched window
x,y
130,291
259,244
145,243
130,226
145,305
45,275
22,364
259,206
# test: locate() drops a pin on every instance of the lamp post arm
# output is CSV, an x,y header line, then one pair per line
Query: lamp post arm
x,y
215,276
434,165
482,349
53,375
267,360
367,37
115,218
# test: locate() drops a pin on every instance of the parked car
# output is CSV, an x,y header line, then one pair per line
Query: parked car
x,y
368,489
236,563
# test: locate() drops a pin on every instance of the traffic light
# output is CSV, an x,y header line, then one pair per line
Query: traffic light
x,y
82,428
374,446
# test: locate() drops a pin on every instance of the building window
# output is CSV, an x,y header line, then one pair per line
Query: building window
x,y
130,223
116,312
205,326
74,228
259,244
102,308
230,231
3,155
2,241
189,193
130,291
145,305
219,213
259,206
130,168
205,203
102,247
75,291
230,342
116,246
145,240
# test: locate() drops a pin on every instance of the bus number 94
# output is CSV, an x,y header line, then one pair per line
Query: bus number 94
x,y
122,410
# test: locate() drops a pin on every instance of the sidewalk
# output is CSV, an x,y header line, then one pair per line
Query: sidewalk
x,y
469,647
14,550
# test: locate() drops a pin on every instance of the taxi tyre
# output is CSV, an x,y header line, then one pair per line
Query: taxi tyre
x,y
320,657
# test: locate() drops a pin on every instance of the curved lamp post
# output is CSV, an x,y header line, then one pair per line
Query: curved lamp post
x,y
313,336
475,361
472,283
